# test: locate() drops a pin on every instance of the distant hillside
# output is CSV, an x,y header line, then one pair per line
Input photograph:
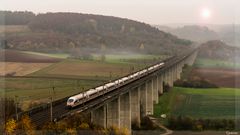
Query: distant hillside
x,y
192,32
16,18
228,33
218,50
64,32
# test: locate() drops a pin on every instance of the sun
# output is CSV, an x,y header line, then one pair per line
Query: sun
x,y
205,13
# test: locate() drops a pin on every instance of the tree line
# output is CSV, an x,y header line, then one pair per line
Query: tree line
x,y
16,18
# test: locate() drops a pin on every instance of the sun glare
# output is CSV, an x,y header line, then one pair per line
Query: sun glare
x,y
206,13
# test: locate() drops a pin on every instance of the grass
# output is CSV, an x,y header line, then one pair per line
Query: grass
x,y
89,69
54,55
209,63
37,90
128,57
113,58
199,103
21,68
13,29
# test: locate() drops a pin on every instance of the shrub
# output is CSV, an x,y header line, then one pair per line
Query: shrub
x,y
10,107
136,124
27,125
199,83
146,123
166,87
187,123
71,131
10,126
83,126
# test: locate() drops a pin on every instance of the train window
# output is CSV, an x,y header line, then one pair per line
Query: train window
x,y
70,100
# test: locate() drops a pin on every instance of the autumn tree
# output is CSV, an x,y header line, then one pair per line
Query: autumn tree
x,y
26,125
10,107
10,126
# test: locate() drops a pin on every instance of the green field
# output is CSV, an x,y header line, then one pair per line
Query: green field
x,y
115,58
39,90
54,55
199,103
209,63
92,69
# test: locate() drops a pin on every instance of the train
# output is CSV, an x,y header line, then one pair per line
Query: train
x,y
78,99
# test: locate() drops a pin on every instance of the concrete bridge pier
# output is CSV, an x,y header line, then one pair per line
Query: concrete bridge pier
x,y
143,100
155,90
135,105
181,66
172,75
125,111
98,116
160,84
178,72
175,73
165,78
149,87
113,113
170,78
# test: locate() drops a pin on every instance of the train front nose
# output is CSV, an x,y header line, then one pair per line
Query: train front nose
x,y
70,102
69,105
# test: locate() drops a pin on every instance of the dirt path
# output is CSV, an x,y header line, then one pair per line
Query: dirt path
x,y
168,131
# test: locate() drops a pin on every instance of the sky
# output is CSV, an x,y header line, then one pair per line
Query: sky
x,y
148,11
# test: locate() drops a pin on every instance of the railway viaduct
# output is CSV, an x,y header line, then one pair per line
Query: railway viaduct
x,y
121,105
139,99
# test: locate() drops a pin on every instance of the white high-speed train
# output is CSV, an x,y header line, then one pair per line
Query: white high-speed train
x,y
80,98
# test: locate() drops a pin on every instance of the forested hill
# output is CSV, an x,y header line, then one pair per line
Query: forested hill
x,y
68,31
192,32
218,50
16,18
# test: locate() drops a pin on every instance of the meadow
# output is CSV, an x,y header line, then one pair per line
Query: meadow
x,y
19,68
54,55
199,103
32,91
88,69
210,63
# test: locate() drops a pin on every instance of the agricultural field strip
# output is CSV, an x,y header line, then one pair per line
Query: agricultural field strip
x,y
209,63
199,103
19,68
54,55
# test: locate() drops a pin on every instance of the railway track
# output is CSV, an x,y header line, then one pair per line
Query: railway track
x,y
41,115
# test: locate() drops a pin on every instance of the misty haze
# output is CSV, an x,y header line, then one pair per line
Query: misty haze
x,y
114,67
